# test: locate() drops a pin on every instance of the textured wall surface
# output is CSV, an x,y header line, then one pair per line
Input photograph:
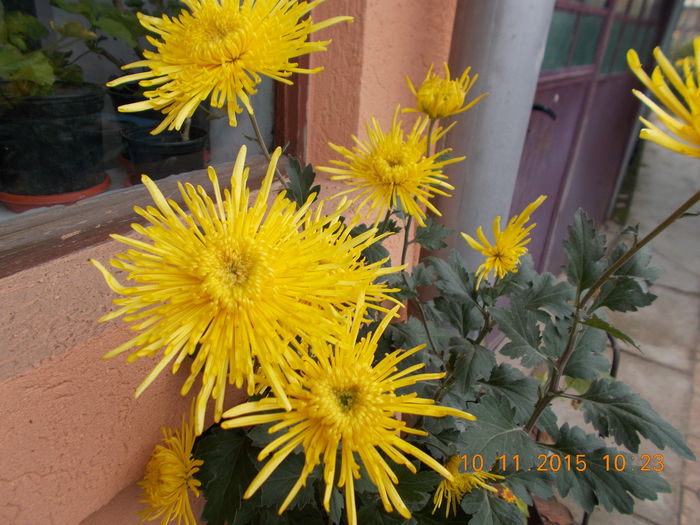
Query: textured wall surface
x,y
73,439
367,64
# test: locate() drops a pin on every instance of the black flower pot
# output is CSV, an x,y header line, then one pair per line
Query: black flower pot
x,y
52,144
165,153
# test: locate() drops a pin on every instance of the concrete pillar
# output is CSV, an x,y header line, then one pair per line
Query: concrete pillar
x,y
504,42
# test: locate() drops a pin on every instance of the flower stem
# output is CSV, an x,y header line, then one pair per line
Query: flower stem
x,y
263,147
385,222
553,388
185,133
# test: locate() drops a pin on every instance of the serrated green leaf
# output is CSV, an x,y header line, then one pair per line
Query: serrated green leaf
x,y
520,326
461,315
585,250
623,294
22,24
599,483
374,252
337,505
510,385
416,489
539,292
453,279
614,410
472,362
596,322
432,236
300,184
281,481
587,361
525,483
495,433
226,473
487,509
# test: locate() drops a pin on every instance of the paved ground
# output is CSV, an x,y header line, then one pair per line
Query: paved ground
x,y
667,372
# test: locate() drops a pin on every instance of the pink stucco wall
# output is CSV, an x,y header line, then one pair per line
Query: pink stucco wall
x,y
73,440
367,64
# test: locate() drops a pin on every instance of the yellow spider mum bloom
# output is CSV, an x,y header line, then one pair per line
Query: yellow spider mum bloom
x,y
220,49
452,490
441,97
680,116
236,283
170,475
504,255
392,167
339,399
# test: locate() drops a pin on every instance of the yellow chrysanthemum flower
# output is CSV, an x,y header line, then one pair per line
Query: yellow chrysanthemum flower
x,y
452,490
220,49
504,255
339,399
680,116
441,97
236,284
392,167
170,476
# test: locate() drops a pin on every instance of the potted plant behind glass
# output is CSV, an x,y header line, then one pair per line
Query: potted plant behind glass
x,y
157,155
50,128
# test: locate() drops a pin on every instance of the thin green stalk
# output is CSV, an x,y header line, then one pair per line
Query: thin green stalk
x,y
553,388
639,245
406,231
185,133
385,223
263,147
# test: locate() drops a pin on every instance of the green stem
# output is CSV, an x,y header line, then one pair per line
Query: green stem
x,y
553,388
185,133
430,137
385,223
638,246
406,230
263,147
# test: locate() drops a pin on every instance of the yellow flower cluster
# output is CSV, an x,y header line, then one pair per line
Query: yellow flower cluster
x,y
272,296
681,116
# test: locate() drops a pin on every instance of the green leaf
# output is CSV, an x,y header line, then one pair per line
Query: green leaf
x,y
623,294
472,362
375,515
520,326
416,489
432,236
495,433
585,250
226,473
540,292
587,361
613,409
337,505
510,385
300,185
526,482
116,29
487,509
281,481
599,483
374,252
461,315
22,24
453,279
596,322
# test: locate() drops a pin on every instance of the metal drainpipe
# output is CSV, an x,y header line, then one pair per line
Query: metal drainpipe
x,y
504,42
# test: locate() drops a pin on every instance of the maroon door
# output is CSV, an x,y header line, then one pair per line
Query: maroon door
x,y
583,114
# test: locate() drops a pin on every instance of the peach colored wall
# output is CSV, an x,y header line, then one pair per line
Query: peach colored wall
x,y
73,440
367,63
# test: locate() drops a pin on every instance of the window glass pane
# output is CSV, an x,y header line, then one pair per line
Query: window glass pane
x,y
636,8
559,39
588,33
627,40
610,50
649,9
596,3
621,6
90,146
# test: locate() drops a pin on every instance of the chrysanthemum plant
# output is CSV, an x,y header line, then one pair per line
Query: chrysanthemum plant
x,y
353,415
